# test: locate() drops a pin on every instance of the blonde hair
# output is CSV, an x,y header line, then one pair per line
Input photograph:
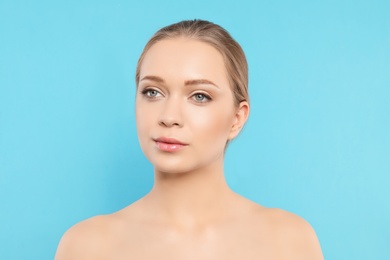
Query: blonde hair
x,y
220,39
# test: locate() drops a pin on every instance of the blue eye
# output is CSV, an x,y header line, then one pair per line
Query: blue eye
x,y
151,93
201,98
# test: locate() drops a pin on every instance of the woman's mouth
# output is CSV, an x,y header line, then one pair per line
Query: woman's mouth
x,y
169,144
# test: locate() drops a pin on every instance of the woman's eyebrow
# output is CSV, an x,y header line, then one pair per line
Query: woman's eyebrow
x,y
153,78
186,83
199,82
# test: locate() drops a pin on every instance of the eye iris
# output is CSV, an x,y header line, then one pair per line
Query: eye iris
x,y
152,93
199,97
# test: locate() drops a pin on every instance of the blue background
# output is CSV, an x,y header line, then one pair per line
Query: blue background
x,y
317,142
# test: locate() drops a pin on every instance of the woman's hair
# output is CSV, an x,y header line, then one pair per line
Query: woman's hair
x,y
220,39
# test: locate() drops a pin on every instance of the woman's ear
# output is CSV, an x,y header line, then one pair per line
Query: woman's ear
x,y
240,118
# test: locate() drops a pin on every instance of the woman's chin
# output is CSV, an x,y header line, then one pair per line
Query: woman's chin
x,y
171,170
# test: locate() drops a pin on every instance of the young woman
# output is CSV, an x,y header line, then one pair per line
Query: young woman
x,y
192,99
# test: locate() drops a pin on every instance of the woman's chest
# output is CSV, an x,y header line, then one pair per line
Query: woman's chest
x,y
227,244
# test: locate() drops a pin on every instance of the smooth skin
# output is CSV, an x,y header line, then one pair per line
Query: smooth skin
x,y
190,213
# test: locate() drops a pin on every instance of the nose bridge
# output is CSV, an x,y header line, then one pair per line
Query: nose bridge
x,y
171,112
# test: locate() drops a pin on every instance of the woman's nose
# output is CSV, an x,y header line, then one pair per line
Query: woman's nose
x,y
171,113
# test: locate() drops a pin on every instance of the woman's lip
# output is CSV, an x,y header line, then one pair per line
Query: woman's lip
x,y
168,140
169,144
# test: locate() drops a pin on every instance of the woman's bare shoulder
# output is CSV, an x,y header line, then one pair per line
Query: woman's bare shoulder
x,y
96,237
85,240
293,235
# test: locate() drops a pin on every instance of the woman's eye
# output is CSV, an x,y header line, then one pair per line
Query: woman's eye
x,y
201,98
152,93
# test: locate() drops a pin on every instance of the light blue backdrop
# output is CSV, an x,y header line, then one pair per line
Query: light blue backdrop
x,y
317,142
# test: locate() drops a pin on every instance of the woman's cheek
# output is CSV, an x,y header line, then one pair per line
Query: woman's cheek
x,y
212,123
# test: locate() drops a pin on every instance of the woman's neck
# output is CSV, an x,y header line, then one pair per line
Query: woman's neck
x,y
191,199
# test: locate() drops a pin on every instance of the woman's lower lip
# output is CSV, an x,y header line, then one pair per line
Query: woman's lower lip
x,y
168,147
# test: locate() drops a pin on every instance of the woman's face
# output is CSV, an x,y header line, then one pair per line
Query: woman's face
x,y
185,108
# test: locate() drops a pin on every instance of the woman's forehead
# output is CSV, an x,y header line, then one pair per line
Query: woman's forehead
x,y
184,57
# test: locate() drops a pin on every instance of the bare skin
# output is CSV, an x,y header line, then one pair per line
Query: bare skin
x,y
190,213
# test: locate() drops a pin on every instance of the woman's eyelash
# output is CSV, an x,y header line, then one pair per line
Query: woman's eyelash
x,y
201,97
150,92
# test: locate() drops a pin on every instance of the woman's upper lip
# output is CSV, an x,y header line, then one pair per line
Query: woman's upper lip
x,y
169,140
